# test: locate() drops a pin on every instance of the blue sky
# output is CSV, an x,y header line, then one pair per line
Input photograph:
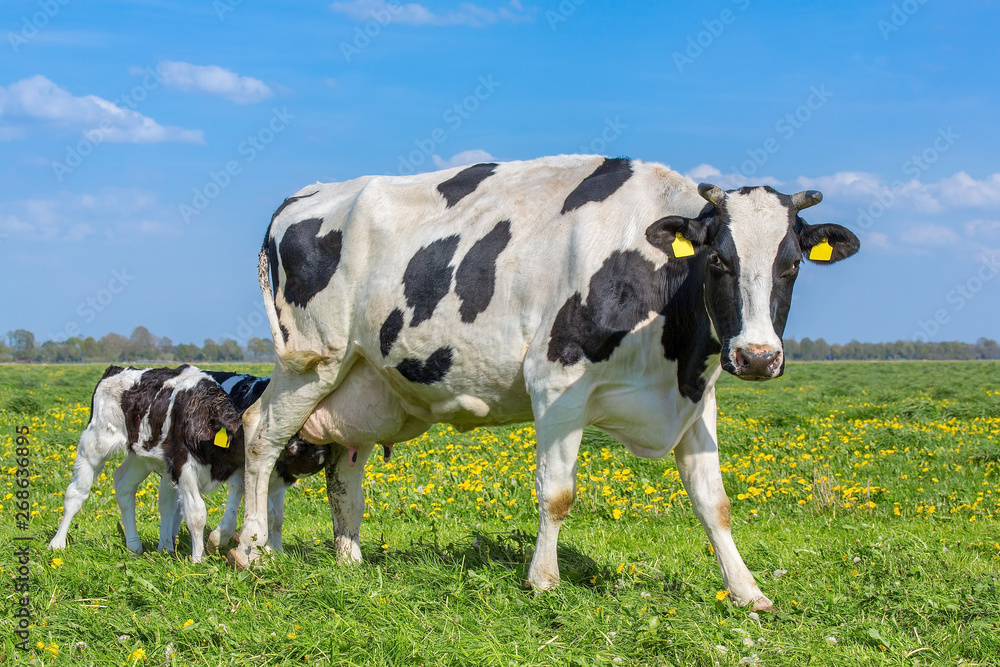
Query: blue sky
x,y
144,144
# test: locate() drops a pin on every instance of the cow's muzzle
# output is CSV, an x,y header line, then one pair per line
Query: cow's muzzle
x,y
756,362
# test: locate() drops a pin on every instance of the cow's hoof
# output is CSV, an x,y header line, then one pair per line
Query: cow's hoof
x,y
545,583
57,543
135,547
763,604
240,557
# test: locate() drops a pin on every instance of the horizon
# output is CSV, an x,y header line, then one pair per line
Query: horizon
x,y
146,144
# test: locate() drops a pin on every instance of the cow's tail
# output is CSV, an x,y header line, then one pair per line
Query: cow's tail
x,y
299,362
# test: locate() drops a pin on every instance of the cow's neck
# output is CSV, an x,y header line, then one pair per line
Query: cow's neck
x,y
687,330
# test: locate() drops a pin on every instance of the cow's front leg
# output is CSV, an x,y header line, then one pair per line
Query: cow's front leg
x,y
555,484
127,478
698,464
344,479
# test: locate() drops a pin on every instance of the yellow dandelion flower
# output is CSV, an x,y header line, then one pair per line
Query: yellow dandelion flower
x,y
721,595
138,654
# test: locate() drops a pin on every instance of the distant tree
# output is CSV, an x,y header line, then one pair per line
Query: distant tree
x,y
22,343
188,352
6,353
210,351
114,347
142,344
230,350
259,349
166,347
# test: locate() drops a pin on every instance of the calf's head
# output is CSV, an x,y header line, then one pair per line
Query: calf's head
x,y
750,243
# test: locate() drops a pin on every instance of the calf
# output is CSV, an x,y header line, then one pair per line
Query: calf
x,y
572,290
183,425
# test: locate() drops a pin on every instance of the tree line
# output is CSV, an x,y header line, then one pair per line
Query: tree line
x,y
140,346
143,346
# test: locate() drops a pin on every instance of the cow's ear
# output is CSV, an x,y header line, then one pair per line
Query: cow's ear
x,y
826,243
678,236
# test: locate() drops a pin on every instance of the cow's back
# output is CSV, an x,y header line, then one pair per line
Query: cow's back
x,y
444,284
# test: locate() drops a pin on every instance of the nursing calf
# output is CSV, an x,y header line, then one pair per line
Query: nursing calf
x,y
182,424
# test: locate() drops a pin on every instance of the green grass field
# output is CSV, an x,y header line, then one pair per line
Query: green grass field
x,y
866,499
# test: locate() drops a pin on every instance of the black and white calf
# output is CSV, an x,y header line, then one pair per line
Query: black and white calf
x,y
570,290
181,424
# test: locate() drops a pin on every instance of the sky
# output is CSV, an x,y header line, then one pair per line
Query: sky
x,y
144,144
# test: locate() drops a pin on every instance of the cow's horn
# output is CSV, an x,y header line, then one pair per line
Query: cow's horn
x,y
806,198
712,193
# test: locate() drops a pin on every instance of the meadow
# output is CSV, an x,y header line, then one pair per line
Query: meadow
x,y
866,500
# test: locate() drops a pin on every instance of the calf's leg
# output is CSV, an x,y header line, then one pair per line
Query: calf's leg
x,y
170,515
276,513
344,486
698,464
127,478
195,513
92,453
227,524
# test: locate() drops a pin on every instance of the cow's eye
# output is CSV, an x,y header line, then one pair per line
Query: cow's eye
x,y
716,264
793,270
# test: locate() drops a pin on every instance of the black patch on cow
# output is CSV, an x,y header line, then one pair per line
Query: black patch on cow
x,y
289,201
687,330
158,416
245,391
301,458
137,399
622,294
427,372
427,278
601,184
475,279
272,262
281,325
309,260
198,414
110,371
389,332
465,182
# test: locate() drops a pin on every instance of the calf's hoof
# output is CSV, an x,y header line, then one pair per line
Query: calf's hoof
x,y
57,543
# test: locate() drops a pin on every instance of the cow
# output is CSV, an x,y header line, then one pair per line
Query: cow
x,y
184,424
570,290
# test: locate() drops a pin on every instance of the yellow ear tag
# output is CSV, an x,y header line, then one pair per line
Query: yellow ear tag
x,y
222,438
681,246
822,251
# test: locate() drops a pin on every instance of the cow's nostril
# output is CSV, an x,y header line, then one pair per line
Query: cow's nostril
x,y
757,361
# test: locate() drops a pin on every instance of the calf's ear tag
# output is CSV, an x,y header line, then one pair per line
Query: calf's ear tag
x,y
822,251
222,438
681,246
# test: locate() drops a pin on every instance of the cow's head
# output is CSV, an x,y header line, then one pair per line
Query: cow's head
x,y
751,241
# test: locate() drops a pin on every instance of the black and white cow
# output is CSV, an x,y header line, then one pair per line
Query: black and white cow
x,y
570,290
181,424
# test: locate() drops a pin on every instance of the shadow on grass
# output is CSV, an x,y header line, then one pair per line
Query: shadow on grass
x,y
510,551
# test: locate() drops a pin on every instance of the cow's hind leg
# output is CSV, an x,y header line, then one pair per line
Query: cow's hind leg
x,y
127,478
698,464
91,455
555,484
279,414
344,487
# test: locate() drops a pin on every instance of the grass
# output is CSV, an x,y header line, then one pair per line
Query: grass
x,y
865,500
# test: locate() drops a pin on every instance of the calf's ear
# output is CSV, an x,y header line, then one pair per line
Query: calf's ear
x,y
826,243
678,236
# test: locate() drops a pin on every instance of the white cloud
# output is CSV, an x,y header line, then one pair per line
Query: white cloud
x,y
963,190
931,236
461,159
114,212
467,14
39,100
214,80
706,173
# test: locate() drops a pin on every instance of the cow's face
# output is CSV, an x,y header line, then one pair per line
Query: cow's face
x,y
751,242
